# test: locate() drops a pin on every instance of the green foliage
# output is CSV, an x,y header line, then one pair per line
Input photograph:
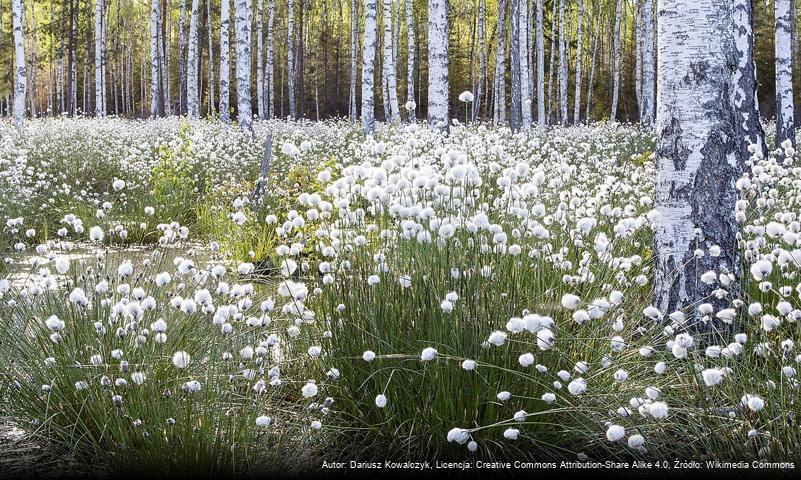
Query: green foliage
x,y
175,184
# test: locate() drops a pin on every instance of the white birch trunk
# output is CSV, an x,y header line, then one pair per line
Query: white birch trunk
x,y
389,64
368,66
541,119
182,59
745,86
525,94
554,15
354,50
616,53
20,80
579,57
516,112
410,54
210,32
696,156
438,64
785,123
499,111
482,61
290,58
100,59
155,60
270,67
648,85
242,24
260,58
562,65
192,94
225,61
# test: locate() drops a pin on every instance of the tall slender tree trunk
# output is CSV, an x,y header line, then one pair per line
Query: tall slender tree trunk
x,y
648,84
785,116
192,93
499,93
242,25
368,66
20,80
156,99
562,65
515,114
482,61
410,49
290,58
695,191
354,61
525,70
554,15
389,64
616,52
301,58
579,57
182,82
210,32
225,61
260,58
100,59
438,64
72,79
745,86
541,118
270,67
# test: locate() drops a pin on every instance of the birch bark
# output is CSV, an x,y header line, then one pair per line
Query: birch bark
x,y
438,64
368,66
696,156
785,123
242,25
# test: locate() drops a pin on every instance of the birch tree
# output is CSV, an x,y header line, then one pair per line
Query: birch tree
x,y
482,60
182,58
515,113
438,64
745,86
525,94
389,64
290,58
368,66
20,77
648,61
695,190
100,59
562,65
410,54
541,119
499,88
616,53
225,60
210,32
354,45
260,58
192,93
156,99
785,123
242,22
579,53
270,67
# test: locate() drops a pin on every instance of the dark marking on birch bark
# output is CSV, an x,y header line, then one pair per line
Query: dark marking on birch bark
x,y
671,146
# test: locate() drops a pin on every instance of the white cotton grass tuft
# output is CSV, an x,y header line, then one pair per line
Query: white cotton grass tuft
x,y
428,354
615,433
181,359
